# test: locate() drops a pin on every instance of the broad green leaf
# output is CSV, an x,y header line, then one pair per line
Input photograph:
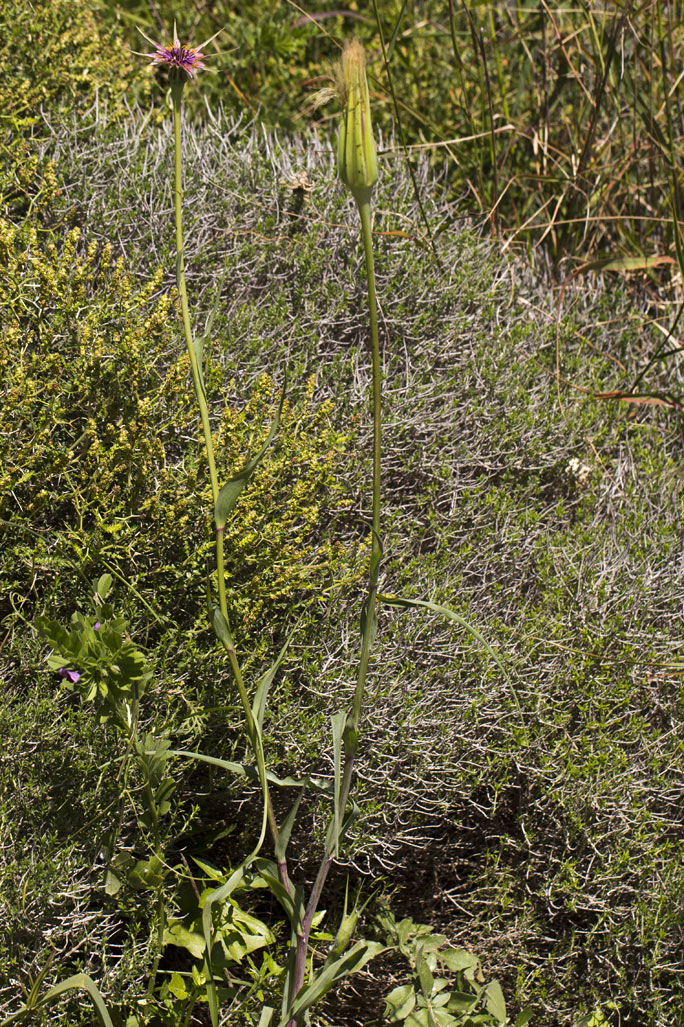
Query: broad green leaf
x,y
458,960
193,941
214,898
494,1001
433,942
405,929
104,585
418,1018
178,987
266,1016
462,1001
400,1002
523,1018
444,1019
424,975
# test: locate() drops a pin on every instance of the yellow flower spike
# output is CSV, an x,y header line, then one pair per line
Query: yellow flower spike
x,y
357,158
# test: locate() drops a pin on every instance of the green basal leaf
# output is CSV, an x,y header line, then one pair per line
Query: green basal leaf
x,y
176,934
495,1002
334,969
400,1002
103,586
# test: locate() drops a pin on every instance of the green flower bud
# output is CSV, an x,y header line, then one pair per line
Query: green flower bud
x,y
345,932
357,159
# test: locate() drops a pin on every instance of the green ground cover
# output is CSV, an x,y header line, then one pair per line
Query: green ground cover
x,y
535,822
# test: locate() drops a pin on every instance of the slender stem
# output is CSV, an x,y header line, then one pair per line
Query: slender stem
x,y
182,292
376,548
367,637
177,94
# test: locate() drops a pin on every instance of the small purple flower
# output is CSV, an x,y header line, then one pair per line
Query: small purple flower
x,y
180,59
71,675
96,626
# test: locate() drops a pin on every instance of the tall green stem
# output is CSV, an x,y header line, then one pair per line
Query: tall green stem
x,y
177,92
370,604
252,732
376,547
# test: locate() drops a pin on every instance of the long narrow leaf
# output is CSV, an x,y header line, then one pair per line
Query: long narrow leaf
x,y
337,721
333,970
252,773
451,615
81,982
228,495
285,830
265,681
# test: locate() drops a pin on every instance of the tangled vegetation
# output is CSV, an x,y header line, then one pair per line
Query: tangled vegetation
x,y
534,821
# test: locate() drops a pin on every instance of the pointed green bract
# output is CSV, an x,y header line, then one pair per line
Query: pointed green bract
x,y
357,159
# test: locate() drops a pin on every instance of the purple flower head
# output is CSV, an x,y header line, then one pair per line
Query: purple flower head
x,y
96,626
182,61
71,675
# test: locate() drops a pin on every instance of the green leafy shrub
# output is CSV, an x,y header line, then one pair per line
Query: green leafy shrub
x,y
59,57
99,462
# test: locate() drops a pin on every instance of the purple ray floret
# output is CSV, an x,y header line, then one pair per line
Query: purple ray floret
x,y
189,58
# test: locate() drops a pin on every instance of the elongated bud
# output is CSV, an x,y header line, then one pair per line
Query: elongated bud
x,y
345,932
357,159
